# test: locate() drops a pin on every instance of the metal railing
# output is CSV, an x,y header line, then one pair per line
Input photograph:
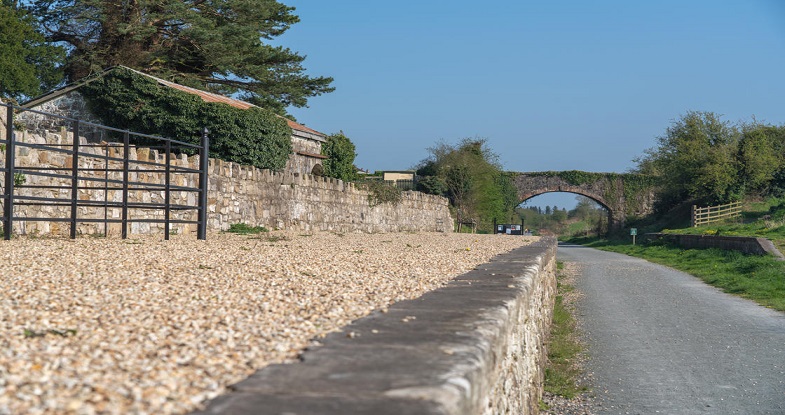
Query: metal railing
x,y
101,167
709,214
400,183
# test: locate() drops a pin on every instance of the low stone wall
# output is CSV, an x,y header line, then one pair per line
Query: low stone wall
x,y
236,194
747,245
475,346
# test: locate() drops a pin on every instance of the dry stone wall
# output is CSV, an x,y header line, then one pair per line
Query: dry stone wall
x,y
294,201
236,194
519,375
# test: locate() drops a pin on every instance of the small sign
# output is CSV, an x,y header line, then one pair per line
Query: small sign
x,y
634,231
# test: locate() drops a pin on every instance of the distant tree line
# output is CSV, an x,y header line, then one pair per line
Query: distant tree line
x,y
704,159
587,218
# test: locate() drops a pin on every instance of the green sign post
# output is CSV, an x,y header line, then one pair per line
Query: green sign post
x,y
633,232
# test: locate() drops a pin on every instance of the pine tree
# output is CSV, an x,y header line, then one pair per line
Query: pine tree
x,y
27,64
217,45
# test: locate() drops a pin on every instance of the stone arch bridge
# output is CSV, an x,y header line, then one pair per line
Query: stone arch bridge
x,y
622,195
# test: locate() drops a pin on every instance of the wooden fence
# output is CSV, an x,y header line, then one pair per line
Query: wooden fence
x,y
709,214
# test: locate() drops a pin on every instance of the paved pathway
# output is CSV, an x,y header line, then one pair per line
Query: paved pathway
x,y
662,342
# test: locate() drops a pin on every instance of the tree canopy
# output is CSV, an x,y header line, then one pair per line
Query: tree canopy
x,y
27,64
761,158
216,45
702,158
469,174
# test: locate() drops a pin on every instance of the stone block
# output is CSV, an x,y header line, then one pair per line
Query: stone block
x,y
143,154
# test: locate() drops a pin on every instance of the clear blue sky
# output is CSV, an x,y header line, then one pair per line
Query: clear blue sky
x,y
552,85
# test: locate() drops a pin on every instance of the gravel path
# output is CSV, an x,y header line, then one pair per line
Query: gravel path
x,y
147,326
662,341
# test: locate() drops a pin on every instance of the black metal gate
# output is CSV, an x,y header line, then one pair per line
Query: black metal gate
x,y
100,162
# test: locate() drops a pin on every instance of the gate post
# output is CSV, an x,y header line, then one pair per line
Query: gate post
x,y
201,232
126,149
74,179
10,151
167,188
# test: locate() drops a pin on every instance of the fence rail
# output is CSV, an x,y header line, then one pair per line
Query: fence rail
x,y
400,183
710,214
104,167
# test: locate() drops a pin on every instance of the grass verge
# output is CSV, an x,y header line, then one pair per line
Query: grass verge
x,y
562,371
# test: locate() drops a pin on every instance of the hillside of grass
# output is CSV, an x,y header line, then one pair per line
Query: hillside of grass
x,y
763,219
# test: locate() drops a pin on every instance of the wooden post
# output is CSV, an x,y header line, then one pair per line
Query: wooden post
x,y
694,219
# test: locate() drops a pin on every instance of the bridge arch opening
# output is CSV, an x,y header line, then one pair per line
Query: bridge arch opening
x,y
570,213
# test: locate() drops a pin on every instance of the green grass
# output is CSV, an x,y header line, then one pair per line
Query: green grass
x,y
756,220
561,374
581,228
758,278
770,229
245,229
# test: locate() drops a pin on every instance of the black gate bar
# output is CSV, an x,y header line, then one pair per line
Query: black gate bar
x,y
79,153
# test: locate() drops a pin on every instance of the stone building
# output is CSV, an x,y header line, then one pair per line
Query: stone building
x,y
306,157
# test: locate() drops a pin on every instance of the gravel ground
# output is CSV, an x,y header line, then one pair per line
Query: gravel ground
x,y
147,326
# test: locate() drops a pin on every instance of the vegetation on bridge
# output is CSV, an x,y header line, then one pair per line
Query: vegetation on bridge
x,y
631,186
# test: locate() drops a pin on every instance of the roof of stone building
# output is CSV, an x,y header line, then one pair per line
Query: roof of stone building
x,y
306,132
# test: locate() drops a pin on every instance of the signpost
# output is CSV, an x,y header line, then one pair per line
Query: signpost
x,y
633,232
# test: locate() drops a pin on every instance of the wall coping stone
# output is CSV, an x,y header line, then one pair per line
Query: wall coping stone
x,y
745,244
437,354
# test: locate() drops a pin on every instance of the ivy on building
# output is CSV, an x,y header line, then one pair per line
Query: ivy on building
x,y
126,100
340,152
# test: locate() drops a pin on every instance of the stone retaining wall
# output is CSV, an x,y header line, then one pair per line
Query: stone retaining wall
x,y
747,245
475,346
236,194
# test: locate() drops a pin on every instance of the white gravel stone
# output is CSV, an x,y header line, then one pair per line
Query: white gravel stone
x,y
146,326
